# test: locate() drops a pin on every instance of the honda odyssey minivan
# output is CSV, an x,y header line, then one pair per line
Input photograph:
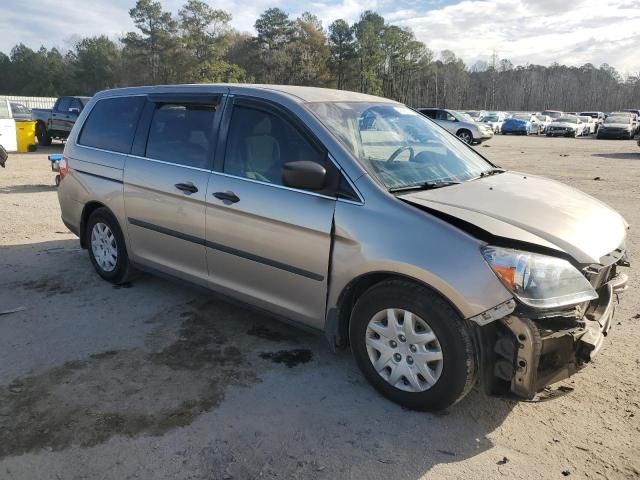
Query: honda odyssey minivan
x,y
356,216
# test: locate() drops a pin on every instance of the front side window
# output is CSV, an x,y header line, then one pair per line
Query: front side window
x,y
182,134
399,146
112,123
259,143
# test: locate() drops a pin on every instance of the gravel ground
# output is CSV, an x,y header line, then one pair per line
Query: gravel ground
x,y
160,380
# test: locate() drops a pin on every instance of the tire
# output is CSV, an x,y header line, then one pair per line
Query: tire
x,y
465,136
446,380
43,135
111,238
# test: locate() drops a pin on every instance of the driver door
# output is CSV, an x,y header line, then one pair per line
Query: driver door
x,y
266,243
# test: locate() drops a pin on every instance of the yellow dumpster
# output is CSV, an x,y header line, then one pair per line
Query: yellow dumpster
x,y
26,135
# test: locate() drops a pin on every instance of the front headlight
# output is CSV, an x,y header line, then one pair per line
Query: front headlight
x,y
539,281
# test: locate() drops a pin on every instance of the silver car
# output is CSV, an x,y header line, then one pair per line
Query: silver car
x,y
460,124
356,216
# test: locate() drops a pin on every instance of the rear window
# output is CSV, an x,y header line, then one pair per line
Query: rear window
x,y
111,125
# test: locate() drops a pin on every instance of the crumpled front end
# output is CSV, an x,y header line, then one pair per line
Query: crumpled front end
x,y
526,350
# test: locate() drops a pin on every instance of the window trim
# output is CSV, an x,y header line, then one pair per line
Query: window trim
x,y
86,119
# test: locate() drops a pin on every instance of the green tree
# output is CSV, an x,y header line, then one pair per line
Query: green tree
x,y
155,48
368,33
343,49
204,30
95,63
274,28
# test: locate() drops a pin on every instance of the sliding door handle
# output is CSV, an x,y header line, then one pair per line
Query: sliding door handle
x,y
187,188
227,196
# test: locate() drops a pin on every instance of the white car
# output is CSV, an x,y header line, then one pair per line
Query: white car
x,y
494,120
566,126
590,124
545,120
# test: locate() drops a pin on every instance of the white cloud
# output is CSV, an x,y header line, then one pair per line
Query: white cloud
x,y
573,32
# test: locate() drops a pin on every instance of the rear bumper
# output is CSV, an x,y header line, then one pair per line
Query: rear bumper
x,y
527,355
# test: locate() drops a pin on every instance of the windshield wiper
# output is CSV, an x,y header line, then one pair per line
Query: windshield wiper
x,y
491,171
425,186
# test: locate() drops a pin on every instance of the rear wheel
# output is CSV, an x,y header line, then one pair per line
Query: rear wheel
x,y
107,250
43,135
412,346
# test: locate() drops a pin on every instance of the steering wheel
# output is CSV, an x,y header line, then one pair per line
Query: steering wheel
x,y
395,154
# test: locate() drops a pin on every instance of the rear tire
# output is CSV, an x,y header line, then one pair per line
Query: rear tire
x,y
434,385
106,246
43,135
465,136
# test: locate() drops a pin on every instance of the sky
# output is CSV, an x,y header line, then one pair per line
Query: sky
x,y
571,32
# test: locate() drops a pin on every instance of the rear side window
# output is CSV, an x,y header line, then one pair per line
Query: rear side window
x,y
429,113
182,134
111,124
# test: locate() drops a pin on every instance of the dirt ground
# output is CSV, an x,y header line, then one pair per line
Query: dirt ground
x,y
156,380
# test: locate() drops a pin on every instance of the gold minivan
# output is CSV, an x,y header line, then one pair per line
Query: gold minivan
x,y
356,216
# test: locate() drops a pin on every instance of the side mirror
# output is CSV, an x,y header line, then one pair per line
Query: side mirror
x,y
74,110
304,174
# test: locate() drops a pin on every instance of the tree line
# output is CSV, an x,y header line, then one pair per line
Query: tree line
x,y
198,45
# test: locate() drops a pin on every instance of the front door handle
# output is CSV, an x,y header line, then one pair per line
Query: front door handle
x,y
187,188
227,196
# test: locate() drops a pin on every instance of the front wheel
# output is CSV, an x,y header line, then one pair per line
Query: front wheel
x,y
107,250
412,346
465,136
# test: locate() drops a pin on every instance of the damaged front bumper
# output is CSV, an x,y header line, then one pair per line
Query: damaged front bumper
x,y
522,355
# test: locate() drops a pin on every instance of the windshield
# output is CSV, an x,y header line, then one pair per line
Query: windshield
x,y
589,114
463,117
489,118
552,114
567,119
399,146
19,108
526,118
617,120
542,118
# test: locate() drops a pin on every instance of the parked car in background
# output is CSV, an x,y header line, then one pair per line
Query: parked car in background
x,y
458,123
617,126
545,120
636,112
566,126
357,217
58,121
597,116
522,124
494,120
20,112
635,121
589,123
552,113
475,114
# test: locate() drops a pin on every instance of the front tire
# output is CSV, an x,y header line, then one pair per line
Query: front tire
x,y
107,250
412,346
465,136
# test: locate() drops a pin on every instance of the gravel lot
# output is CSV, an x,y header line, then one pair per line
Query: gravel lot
x,y
160,380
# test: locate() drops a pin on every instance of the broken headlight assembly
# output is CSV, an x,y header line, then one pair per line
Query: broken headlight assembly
x,y
539,281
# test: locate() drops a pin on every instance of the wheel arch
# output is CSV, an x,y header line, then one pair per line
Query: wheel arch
x,y
88,209
339,315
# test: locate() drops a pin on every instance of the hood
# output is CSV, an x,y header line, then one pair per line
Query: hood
x,y
530,209
615,125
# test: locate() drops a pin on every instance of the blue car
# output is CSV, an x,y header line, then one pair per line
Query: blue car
x,y
522,124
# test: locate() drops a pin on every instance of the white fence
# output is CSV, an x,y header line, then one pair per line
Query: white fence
x,y
31,102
